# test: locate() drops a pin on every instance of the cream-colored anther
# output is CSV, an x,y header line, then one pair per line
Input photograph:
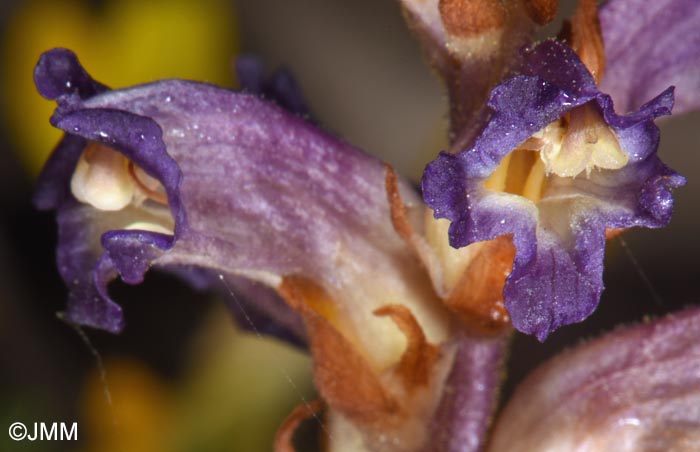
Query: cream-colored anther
x,y
587,143
101,178
147,226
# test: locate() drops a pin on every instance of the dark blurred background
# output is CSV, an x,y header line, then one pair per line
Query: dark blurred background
x,y
181,377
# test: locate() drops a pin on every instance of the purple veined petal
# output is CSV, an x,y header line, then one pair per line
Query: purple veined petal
x,y
650,46
558,278
256,197
560,236
268,195
255,192
637,389
558,65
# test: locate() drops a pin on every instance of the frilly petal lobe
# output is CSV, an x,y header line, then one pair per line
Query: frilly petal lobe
x,y
59,74
557,272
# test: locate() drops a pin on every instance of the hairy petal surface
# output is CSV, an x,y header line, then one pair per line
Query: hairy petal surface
x,y
253,189
637,389
255,193
649,46
557,272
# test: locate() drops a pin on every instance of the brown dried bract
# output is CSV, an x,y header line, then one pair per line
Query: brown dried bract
x,y
420,356
542,11
399,218
587,38
342,375
478,296
466,18
284,438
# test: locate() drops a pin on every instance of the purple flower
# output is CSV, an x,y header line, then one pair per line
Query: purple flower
x,y
536,96
554,168
228,190
181,173
408,335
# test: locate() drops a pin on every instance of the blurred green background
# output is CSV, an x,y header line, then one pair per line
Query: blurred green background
x,y
181,377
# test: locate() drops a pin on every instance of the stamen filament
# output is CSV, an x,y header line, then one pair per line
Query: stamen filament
x,y
534,185
497,181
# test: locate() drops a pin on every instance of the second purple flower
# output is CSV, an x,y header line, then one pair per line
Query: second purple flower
x,y
554,168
